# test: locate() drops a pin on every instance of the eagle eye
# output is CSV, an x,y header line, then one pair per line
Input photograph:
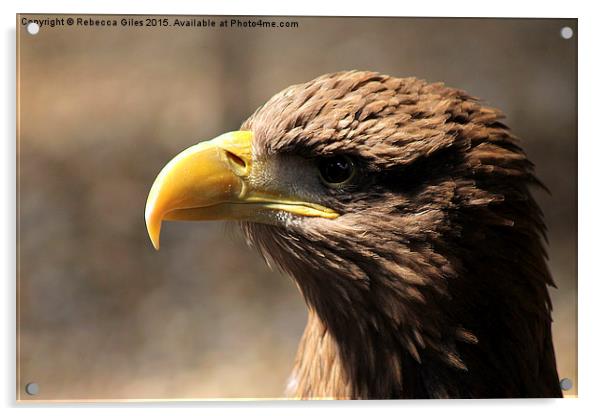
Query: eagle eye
x,y
336,170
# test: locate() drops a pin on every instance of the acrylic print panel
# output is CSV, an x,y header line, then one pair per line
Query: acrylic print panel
x,y
397,211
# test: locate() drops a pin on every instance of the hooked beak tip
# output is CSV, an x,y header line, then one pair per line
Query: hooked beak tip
x,y
153,226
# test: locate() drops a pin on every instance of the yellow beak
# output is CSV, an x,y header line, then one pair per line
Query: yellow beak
x,y
208,181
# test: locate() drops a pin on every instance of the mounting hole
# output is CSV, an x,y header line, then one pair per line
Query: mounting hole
x,y
566,384
566,32
33,28
32,389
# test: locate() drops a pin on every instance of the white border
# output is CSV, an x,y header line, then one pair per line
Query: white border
x,y
590,151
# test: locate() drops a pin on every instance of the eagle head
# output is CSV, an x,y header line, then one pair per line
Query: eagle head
x,y
402,210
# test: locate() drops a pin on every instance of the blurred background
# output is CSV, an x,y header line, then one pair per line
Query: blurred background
x,y
101,110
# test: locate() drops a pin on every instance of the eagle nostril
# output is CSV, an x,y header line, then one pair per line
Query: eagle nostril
x,y
237,163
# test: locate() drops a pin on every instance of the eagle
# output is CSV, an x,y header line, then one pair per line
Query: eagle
x,y
402,209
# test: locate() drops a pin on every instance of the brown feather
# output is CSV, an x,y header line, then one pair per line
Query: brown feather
x,y
433,281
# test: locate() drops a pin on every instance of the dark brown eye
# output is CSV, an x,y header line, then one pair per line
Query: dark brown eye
x,y
336,170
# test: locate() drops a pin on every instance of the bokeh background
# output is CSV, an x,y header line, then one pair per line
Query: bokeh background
x,y
101,110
